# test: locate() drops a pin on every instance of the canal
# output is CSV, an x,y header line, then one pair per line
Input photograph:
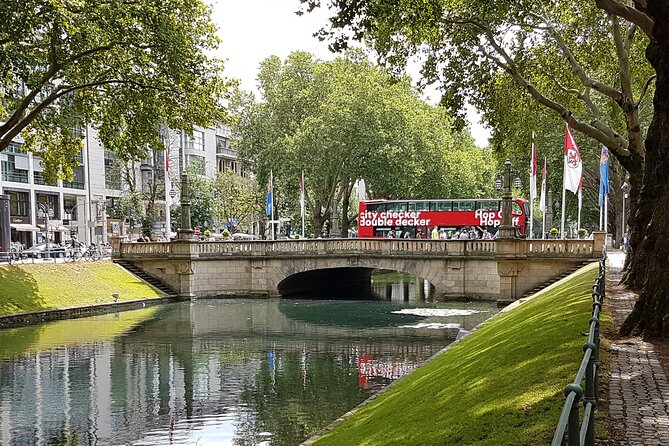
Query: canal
x,y
218,372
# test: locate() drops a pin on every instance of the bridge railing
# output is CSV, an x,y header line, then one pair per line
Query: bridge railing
x,y
584,433
534,248
309,246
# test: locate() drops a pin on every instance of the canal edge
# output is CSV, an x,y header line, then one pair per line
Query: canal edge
x,y
56,314
310,441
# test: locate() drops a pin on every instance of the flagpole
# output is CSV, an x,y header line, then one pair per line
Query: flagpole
x,y
606,214
271,182
533,184
580,200
564,190
302,204
168,199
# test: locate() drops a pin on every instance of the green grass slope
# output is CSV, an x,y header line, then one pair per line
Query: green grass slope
x,y
35,287
502,385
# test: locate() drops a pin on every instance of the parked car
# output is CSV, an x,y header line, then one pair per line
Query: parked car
x,y
39,251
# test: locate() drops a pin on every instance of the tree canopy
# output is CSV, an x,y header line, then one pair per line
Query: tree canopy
x,y
345,120
125,67
582,60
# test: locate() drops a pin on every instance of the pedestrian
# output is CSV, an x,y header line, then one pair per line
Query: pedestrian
x,y
624,243
435,233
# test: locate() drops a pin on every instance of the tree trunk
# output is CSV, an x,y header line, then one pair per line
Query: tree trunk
x,y
347,187
650,316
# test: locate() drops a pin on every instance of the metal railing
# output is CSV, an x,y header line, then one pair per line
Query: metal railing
x,y
583,433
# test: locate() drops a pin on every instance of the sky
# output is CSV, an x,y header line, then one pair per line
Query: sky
x,y
252,30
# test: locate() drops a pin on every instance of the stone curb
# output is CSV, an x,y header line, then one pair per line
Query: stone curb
x,y
36,317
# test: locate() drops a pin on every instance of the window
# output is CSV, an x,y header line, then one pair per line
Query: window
x,y
14,147
195,142
15,169
441,206
419,206
112,171
515,208
397,206
488,205
463,205
78,179
221,144
19,204
197,162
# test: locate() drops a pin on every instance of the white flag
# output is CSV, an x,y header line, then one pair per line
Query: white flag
x,y
572,163
533,171
302,195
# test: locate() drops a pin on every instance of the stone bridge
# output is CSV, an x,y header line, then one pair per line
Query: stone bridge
x,y
502,269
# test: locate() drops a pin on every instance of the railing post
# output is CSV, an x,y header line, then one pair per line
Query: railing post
x,y
590,391
573,430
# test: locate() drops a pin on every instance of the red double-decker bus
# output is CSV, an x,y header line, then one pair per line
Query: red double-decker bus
x,y
417,218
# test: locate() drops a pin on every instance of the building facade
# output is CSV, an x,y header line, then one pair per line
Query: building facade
x,y
88,206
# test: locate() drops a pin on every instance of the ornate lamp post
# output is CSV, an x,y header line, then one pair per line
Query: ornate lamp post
x,y
185,232
168,215
506,229
45,212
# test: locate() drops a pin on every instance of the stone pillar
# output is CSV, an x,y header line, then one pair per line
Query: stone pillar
x,y
511,255
599,239
508,271
506,230
116,246
185,232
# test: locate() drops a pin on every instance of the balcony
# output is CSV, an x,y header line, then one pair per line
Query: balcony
x,y
226,152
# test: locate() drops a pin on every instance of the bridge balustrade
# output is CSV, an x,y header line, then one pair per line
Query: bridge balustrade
x,y
317,246
565,247
534,248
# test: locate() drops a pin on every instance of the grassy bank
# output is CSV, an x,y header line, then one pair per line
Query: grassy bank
x,y
501,386
35,287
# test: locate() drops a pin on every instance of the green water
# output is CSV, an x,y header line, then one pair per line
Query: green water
x,y
214,372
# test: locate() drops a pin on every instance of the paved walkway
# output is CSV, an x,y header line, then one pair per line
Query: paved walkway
x,y
638,387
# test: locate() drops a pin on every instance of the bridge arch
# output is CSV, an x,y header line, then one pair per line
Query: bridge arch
x,y
300,277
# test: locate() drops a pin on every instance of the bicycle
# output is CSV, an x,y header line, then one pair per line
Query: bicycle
x,y
92,253
15,256
73,254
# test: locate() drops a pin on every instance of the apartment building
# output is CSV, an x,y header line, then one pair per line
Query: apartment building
x,y
88,206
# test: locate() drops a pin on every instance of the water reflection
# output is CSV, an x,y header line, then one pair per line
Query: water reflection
x,y
220,372
395,286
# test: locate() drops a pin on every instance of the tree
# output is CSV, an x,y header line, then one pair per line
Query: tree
x,y
651,313
469,44
126,67
236,201
345,120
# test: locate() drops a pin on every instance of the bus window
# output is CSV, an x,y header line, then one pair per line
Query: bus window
x,y
463,206
419,206
397,206
440,206
516,210
488,205
372,207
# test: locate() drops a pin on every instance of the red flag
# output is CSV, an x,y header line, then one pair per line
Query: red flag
x,y
572,163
